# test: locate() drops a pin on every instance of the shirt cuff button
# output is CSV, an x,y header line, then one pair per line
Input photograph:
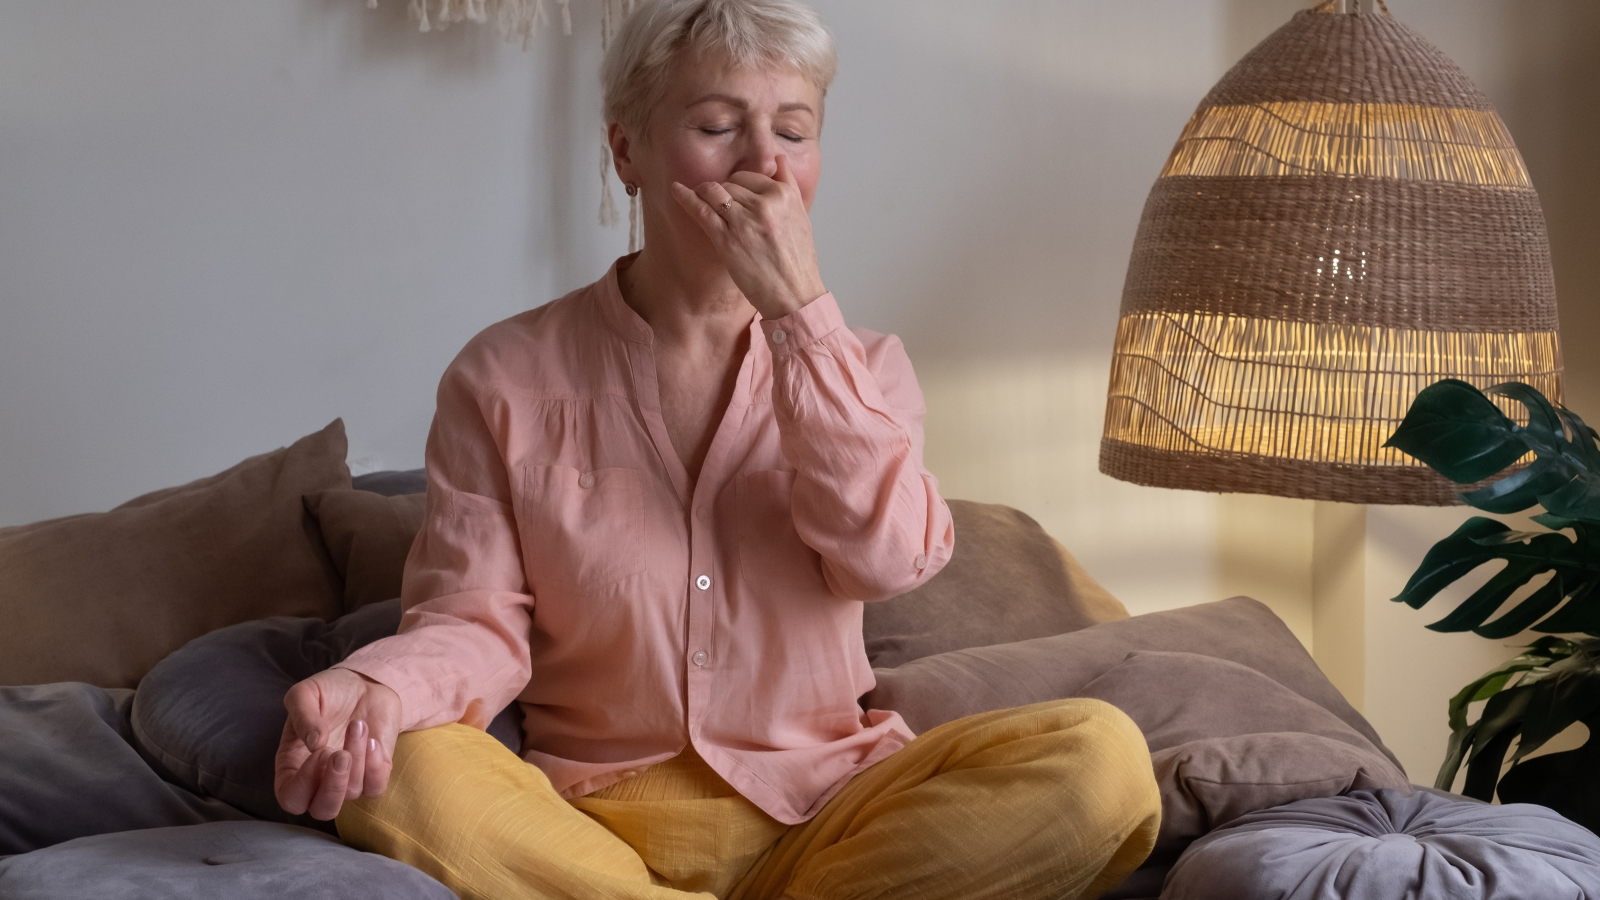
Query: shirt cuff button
x,y
779,336
921,562
586,480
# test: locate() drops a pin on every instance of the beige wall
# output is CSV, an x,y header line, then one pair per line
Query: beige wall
x,y
221,225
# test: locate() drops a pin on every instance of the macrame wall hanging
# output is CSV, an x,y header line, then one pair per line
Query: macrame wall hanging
x,y
520,20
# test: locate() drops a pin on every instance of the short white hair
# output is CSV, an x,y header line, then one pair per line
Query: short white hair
x,y
753,34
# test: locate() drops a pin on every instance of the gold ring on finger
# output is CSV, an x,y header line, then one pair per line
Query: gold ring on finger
x,y
725,207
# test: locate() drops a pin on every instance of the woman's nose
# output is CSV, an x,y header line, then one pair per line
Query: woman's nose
x,y
760,153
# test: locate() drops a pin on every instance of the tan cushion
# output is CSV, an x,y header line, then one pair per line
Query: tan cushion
x,y
1007,581
102,597
368,535
1227,740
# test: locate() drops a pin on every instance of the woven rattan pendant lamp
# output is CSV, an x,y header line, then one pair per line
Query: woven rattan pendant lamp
x,y
1344,221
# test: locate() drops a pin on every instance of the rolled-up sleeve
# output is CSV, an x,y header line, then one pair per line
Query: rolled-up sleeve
x,y
850,422
461,653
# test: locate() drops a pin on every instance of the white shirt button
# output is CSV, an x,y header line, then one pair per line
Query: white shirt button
x,y
586,480
700,657
630,773
921,562
779,335
703,582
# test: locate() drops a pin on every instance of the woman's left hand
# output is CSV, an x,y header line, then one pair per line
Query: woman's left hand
x,y
760,227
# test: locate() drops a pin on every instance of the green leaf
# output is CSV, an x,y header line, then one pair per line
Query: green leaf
x,y
1449,560
1529,664
1490,741
1581,438
1520,490
1579,615
1578,499
1522,616
1544,421
1527,556
1454,753
1454,428
1486,600
1556,704
1554,522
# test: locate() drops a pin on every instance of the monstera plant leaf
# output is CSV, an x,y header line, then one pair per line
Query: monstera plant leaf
x,y
1458,431
1528,555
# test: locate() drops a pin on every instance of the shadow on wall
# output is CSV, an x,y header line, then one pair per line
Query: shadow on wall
x,y
1553,108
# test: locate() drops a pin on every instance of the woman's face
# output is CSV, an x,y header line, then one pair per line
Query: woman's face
x,y
715,120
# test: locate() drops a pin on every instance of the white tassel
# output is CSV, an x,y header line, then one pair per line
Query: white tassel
x,y
608,206
419,11
635,225
566,16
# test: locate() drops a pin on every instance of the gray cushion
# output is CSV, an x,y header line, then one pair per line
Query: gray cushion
x,y
392,482
232,860
67,771
1392,845
941,688
1229,740
209,717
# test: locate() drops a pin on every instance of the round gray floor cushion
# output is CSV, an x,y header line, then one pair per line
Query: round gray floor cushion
x,y
1392,845
235,860
209,716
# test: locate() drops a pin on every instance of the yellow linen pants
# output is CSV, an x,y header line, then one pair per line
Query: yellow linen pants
x,y
1054,800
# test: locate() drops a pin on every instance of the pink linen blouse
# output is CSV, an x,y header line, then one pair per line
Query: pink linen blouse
x,y
566,561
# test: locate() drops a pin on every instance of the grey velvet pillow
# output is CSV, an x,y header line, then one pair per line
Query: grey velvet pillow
x,y
1226,740
67,771
1392,845
1007,581
232,860
210,716
937,689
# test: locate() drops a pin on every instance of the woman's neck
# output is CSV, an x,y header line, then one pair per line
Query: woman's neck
x,y
683,292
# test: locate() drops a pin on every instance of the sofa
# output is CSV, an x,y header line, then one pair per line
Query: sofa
x,y
149,647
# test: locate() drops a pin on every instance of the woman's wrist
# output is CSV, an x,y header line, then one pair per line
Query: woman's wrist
x,y
789,301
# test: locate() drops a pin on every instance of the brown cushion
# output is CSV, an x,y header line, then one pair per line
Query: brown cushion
x,y
938,689
1227,740
368,535
103,597
1007,581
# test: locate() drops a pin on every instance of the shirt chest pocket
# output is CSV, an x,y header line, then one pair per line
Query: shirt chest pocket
x,y
581,529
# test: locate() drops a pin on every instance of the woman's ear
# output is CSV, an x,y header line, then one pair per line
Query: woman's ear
x,y
622,153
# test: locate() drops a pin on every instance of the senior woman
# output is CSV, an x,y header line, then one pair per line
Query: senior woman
x,y
655,508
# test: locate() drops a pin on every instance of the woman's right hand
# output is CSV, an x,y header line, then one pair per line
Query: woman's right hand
x,y
338,743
